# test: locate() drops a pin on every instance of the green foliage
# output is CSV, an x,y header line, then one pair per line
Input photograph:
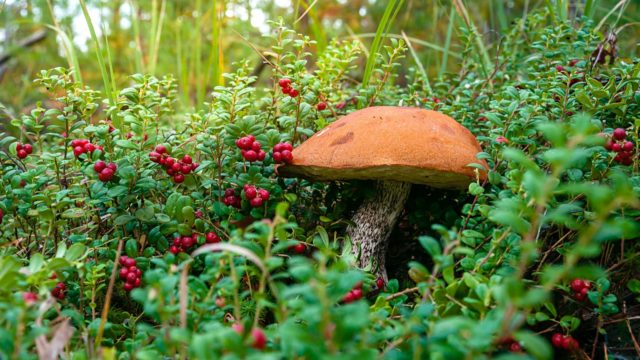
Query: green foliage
x,y
484,268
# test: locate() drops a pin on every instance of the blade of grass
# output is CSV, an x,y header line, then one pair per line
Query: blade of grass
x,y
103,70
135,21
183,67
316,27
197,55
485,61
67,45
620,5
413,40
215,67
423,73
157,32
590,8
390,13
447,42
110,62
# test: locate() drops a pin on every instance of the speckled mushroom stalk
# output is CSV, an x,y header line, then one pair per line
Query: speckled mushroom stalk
x,y
373,223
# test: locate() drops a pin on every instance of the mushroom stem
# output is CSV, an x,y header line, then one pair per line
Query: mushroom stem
x,y
373,223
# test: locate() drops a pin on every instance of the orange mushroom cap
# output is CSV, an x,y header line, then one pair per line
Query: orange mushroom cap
x,y
390,143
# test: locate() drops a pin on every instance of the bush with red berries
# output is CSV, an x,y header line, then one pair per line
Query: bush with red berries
x,y
23,150
105,171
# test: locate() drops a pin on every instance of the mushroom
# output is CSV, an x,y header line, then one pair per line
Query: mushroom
x,y
396,147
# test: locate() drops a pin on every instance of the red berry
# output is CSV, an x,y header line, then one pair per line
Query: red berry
x,y
616,147
357,294
556,340
113,166
380,283
178,178
321,106
293,93
259,339
256,146
29,298
188,241
129,262
83,142
502,140
515,347
277,156
348,298
186,169
122,260
250,192
287,156
176,167
174,249
22,154
77,151
559,68
75,142
28,148
300,248
161,149
194,166
187,159
286,90
168,162
61,285
128,286
264,194
131,277
199,214
577,285
212,238
88,147
284,82
277,147
250,156
229,192
608,145
573,62
137,282
261,155
171,172
106,174
123,273
256,202
287,146
580,296
244,143
619,134
628,146
99,166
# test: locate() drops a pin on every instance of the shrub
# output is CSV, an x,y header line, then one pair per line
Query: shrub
x,y
211,273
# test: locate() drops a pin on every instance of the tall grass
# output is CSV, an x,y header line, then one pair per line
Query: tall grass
x,y
109,90
390,13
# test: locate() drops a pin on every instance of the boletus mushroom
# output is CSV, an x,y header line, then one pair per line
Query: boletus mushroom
x,y
396,147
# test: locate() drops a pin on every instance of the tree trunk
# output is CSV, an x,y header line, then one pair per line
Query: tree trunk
x,y
373,223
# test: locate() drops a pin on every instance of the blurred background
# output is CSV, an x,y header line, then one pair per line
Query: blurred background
x,y
197,40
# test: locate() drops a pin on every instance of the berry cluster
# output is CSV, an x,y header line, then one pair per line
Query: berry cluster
x,y
23,150
183,243
285,86
354,294
621,146
130,273
255,196
81,146
580,288
230,198
58,291
251,149
566,342
282,153
176,168
105,171
259,338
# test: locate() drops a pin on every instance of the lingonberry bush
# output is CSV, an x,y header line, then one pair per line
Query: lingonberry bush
x,y
127,235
